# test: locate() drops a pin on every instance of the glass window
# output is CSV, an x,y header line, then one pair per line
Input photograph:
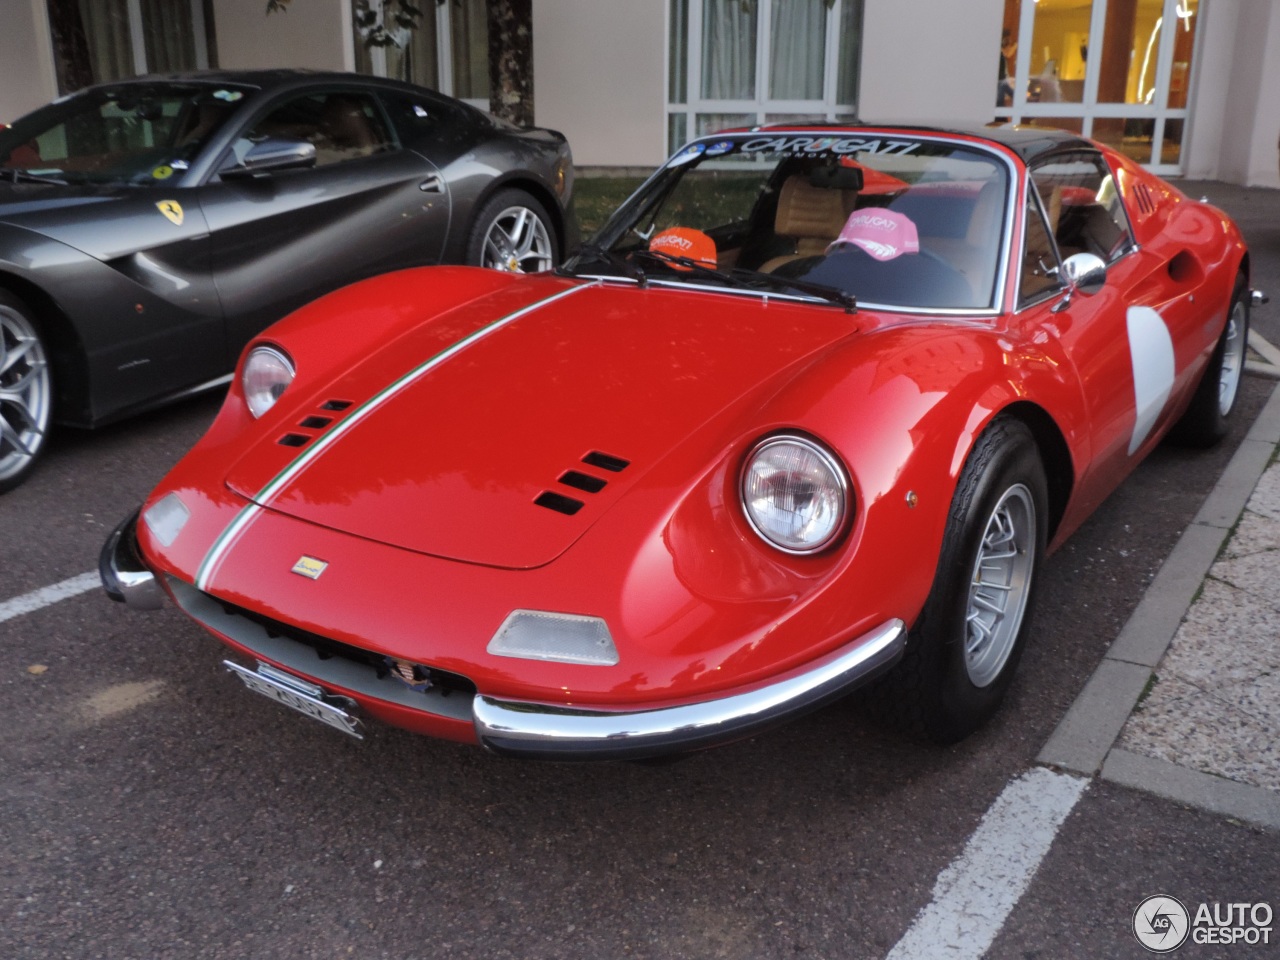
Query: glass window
x,y
728,50
96,41
343,126
1115,70
1130,48
799,28
469,32
135,133
756,60
893,220
1084,206
447,50
1059,51
1183,46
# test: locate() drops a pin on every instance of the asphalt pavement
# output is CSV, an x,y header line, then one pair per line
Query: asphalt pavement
x,y
151,809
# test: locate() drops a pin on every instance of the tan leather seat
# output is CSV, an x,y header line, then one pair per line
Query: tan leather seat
x,y
812,216
976,253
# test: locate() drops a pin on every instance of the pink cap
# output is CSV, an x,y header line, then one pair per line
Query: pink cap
x,y
880,232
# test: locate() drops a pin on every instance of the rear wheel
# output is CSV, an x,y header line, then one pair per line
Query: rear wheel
x,y
26,393
513,232
1206,419
964,649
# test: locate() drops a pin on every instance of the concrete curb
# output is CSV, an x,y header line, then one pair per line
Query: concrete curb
x,y
1084,739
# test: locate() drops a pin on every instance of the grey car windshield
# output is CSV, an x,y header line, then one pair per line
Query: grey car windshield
x,y
136,133
916,223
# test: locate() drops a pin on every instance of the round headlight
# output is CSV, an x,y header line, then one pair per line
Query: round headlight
x,y
795,494
267,372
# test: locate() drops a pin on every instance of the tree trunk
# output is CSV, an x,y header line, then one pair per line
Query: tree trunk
x,y
510,25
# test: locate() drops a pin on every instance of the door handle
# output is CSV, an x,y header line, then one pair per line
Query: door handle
x,y
432,184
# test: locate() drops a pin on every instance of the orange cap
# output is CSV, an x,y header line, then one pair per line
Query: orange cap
x,y
685,242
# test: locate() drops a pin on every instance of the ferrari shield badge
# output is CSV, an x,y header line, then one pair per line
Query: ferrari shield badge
x,y
172,210
309,567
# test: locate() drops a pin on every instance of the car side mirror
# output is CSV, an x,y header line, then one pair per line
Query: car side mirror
x,y
1085,273
271,155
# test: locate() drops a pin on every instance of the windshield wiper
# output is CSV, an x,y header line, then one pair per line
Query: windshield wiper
x,y
16,175
831,294
741,276
593,251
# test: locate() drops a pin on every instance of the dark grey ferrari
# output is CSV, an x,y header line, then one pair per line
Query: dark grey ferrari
x,y
149,228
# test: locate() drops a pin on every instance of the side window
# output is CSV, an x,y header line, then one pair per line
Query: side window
x,y
343,126
424,120
1085,212
1040,272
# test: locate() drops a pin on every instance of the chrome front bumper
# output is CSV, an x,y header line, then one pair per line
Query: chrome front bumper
x,y
537,730
124,576
549,732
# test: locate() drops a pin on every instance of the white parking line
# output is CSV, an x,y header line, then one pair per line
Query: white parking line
x,y
46,596
975,894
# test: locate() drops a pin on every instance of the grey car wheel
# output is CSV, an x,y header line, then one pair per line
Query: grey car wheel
x,y
1208,415
1000,585
26,394
513,233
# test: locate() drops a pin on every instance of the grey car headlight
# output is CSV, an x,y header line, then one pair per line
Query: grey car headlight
x,y
795,494
267,374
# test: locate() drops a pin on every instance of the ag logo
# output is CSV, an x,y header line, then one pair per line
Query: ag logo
x,y
1161,924
172,209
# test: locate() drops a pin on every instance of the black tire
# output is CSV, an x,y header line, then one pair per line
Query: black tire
x,y
1206,420
26,392
949,682
513,232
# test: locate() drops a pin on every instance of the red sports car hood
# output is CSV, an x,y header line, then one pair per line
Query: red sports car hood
x,y
503,446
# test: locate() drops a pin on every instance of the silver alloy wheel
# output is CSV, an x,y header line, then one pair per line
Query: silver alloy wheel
x,y
517,241
1000,585
1233,349
26,394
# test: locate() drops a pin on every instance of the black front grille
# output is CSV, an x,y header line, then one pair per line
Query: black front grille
x,y
327,648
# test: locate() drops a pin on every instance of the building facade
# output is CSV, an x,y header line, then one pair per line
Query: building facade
x,y
1187,87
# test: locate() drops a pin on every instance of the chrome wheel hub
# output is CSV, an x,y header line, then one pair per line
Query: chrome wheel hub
x,y
518,242
26,399
1233,352
999,585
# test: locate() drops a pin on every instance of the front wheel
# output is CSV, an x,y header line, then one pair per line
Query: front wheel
x,y
964,649
513,232
26,393
1206,419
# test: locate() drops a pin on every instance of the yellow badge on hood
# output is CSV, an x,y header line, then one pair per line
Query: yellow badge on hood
x,y
172,209
309,567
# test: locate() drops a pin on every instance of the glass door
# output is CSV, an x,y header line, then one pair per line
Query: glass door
x,y
1115,70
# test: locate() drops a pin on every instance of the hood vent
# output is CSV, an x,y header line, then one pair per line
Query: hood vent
x,y
314,422
578,480
605,462
583,481
559,503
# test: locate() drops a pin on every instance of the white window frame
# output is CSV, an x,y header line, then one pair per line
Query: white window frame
x,y
137,37
761,107
1090,109
444,53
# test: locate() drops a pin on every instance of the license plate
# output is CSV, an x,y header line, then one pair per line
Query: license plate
x,y
298,695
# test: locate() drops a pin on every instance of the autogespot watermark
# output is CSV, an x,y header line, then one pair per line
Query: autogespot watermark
x,y
1162,924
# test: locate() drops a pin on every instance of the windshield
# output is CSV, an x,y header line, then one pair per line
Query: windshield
x,y
890,220
137,133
